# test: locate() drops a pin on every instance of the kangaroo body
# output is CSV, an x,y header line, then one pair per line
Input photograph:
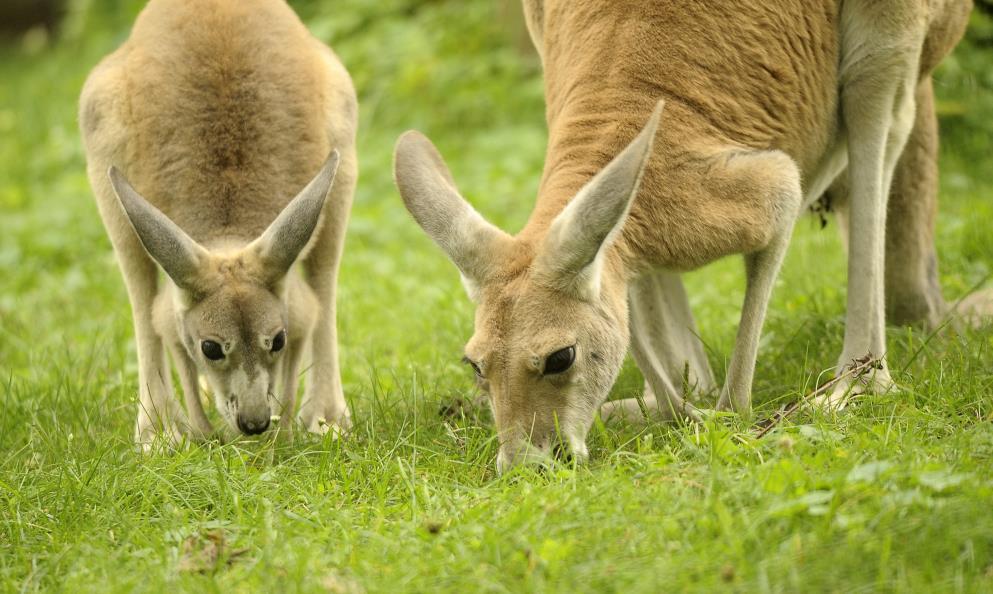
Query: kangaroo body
x,y
767,104
736,77
219,112
770,76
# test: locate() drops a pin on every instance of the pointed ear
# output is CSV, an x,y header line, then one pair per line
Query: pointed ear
x,y
534,18
572,253
429,193
281,243
178,255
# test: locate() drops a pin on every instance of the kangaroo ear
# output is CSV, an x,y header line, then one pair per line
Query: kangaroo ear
x,y
175,251
280,245
534,18
429,192
572,253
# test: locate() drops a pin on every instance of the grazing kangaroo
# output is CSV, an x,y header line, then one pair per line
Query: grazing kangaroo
x,y
766,105
219,112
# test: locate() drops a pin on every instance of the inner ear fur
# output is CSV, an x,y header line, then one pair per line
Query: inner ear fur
x,y
572,253
177,253
281,243
431,197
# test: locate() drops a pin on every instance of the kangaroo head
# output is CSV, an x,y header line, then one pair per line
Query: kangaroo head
x,y
230,306
551,327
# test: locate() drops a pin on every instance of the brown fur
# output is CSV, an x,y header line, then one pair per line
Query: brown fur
x,y
597,102
219,112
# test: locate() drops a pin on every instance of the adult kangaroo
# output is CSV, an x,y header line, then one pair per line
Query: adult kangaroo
x,y
203,135
766,104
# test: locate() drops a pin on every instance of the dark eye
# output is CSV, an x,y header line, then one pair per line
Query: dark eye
x,y
472,364
560,360
279,341
212,350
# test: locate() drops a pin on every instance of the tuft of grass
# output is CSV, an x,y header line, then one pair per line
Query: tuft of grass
x,y
891,496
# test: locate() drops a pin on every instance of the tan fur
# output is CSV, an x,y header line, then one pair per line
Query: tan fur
x,y
219,112
913,293
597,101
765,104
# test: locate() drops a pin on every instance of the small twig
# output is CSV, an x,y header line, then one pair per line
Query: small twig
x,y
858,368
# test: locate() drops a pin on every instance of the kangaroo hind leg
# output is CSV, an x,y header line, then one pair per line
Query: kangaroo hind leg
x,y
881,44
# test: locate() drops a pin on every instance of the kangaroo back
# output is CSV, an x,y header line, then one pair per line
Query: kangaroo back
x,y
217,110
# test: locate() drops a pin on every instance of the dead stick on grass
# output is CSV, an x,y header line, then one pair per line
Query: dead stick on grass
x,y
858,369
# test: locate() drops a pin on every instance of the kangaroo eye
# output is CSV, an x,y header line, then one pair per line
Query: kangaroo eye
x,y
279,341
212,350
560,360
472,364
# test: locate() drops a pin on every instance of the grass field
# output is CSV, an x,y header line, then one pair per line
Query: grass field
x,y
894,495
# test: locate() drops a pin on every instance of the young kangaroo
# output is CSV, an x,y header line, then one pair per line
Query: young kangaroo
x,y
766,103
219,112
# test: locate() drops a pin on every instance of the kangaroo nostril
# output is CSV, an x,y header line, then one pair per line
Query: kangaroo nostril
x,y
252,427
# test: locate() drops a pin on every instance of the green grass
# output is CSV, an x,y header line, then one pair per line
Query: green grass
x,y
895,495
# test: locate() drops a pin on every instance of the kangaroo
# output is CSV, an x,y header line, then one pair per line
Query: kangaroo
x,y
219,112
766,104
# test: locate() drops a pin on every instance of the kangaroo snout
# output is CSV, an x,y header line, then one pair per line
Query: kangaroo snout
x,y
541,452
252,424
253,416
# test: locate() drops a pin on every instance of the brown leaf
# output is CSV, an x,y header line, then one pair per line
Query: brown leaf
x,y
727,572
433,526
340,584
205,551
